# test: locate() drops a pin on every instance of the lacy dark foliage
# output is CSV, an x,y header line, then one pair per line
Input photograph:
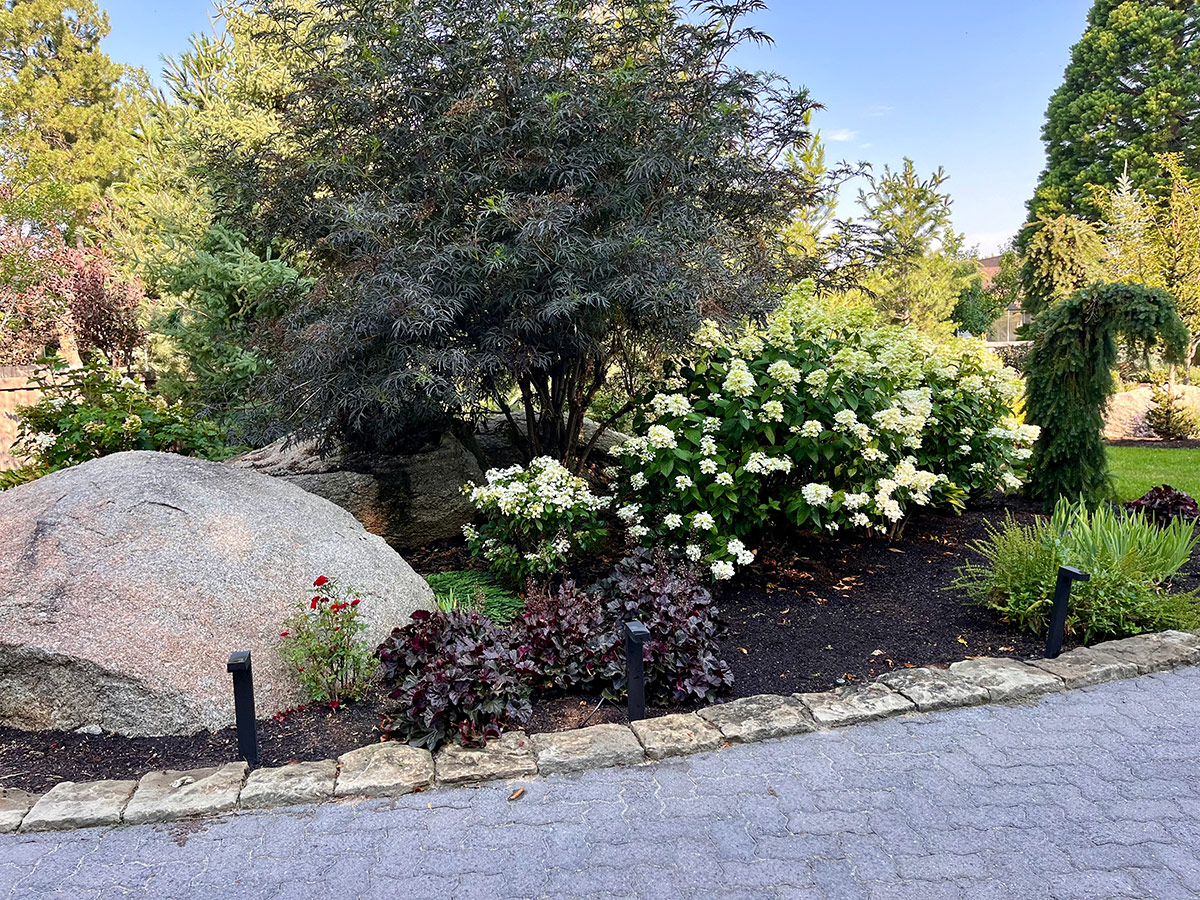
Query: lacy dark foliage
x,y
682,657
510,193
571,642
1164,503
454,675
1069,376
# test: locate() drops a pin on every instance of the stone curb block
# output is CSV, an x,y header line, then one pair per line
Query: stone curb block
x,y
306,782
1006,679
854,704
676,735
1085,666
79,805
594,747
393,769
934,689
171,796
13,807
759,718
508,756
384,770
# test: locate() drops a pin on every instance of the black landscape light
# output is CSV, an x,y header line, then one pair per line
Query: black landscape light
x,y
636,634
1058,615
243,705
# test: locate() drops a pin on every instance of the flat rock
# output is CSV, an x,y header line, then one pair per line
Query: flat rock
x,y
855,703
676,735
1085,666
594,747
388,769
759,717
79,805
306,782
168,796
1154,652
131,578
933,689
508,756
13,806
1006,679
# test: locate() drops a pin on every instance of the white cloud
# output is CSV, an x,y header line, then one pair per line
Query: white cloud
x,y
878,111
839,135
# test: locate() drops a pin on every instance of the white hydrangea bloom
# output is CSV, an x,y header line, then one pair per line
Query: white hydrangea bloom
x,y
815,494
683,482
703,521
661,437
725,479
817,379
638,480
856,501
772,411
811,429
785,373
722,570
711,424
739,381
671,404
708,466
673,521
694,552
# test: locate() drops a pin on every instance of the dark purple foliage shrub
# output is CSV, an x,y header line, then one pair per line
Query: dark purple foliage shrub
x,y
569,641
455,675
1164,503
682,657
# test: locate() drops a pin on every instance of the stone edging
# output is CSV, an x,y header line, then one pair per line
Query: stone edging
x,y
394,769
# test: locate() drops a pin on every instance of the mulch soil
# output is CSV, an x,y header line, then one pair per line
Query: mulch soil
x,y
812,614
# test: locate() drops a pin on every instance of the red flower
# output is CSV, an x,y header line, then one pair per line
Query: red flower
x,y
313,605
284,633
320,581
355,601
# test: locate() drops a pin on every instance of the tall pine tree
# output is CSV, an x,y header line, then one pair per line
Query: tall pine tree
x,y
1131,91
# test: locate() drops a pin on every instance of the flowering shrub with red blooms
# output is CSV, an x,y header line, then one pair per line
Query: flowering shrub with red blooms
x,y
455,675
323,642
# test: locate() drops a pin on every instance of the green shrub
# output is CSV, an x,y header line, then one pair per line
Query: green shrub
x,y
821,420
1169,417
534,518
93,410
1127,555
475,591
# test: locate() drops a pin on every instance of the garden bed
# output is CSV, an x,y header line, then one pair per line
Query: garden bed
x,y
812,614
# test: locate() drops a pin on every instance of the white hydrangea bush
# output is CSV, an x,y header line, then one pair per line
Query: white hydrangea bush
x,y
819,419
534,518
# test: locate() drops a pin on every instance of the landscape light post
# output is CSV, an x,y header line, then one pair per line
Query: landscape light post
x,y
243,705
1058,614
636,634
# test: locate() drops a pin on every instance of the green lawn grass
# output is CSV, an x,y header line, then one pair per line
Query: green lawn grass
x,y
1137,469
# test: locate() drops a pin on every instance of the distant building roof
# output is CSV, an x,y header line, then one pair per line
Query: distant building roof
x,y
990,267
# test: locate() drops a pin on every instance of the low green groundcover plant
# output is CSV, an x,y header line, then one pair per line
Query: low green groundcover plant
x,y
323,642
463,591
1128,556
94,410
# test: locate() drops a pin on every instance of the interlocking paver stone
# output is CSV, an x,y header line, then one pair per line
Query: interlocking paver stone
x,y
508,756
675,735
855,703
933,689
1086,794
82,804
1085,666
759,717
306,782
389,769
1154,652
594,747
170,796
13,806
1007,679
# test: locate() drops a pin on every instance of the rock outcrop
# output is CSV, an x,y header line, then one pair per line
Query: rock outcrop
x,y
130,579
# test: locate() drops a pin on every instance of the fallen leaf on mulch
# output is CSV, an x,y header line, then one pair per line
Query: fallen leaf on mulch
x,y
516,795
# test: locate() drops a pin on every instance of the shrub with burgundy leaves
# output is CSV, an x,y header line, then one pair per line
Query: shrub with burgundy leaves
x,y
455,675
323,643
570,640
1164,503
682,657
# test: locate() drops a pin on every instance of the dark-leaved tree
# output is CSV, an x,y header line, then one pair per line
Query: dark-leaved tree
x,y
501,195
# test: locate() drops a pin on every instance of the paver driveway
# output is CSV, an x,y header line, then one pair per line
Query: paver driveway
x,y
1089,794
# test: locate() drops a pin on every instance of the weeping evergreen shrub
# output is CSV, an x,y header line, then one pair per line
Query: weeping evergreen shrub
x,y
1069,373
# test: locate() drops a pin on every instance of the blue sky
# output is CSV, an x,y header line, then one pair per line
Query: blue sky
x,y
961,84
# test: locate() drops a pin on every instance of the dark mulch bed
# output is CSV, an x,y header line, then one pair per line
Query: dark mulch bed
x,y
813,614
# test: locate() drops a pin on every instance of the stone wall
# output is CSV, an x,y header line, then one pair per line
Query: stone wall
x,y
14,392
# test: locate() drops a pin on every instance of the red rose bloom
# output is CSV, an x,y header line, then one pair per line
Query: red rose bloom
x,y
284,633
313,605
355,601
320,581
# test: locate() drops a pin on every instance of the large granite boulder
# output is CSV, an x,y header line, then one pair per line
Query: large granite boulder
x,y
407,500
129,580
